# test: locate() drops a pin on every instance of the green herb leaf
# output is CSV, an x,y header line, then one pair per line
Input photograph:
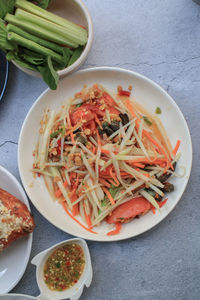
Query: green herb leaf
x,y
147,120
113,190
7,6
158,110
33,59
56,133
78,105
49,75
104,202
13,55
75,55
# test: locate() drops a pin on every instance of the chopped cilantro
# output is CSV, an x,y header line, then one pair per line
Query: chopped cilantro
x,y
113,190
56,133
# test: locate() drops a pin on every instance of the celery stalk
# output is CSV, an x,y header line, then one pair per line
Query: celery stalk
x,y
39,31
56,29
13,37
34,9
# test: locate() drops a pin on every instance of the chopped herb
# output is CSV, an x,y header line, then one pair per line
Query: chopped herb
x,y
113,190
78,105
147,120
158,110
56,133
58,265
104,202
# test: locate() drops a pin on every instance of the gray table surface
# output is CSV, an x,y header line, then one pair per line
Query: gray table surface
x,y
160,39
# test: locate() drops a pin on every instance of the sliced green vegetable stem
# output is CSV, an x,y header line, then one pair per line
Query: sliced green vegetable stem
x,y
36,39
34,9
40,31
34,46
54,28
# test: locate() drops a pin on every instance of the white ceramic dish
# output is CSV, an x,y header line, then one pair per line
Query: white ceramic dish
x,y
14,259
73,293
145,91
77,12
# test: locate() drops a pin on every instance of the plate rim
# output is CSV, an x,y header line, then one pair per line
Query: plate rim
x,y
114,238
5,78
30,236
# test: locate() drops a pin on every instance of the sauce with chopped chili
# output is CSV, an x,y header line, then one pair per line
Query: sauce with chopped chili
x,y
64,267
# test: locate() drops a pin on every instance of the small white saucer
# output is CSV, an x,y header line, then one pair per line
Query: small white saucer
x,y
72,293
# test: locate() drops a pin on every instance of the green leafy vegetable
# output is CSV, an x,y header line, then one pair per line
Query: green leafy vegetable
x,y
158,110
36,39
12,55
6,6
49,74
75,56
147,120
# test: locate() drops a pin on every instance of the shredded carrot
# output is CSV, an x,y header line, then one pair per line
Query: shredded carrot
x,y
98,139
133,114
104,182
97,121
77,221
58,193
117,229
162,203
113,176
153,209
146,133
105,151
176,147
112,182
75,207
112,201
94,149
139,165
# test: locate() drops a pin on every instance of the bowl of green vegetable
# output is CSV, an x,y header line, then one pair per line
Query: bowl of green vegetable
x,y
46,38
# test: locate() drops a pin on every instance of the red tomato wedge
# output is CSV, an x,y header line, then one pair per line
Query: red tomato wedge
x,y
129,210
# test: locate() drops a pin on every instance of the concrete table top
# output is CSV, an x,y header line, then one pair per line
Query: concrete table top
x,y
161,40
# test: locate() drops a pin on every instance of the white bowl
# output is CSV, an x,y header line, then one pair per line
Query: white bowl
x,y
148,94
77,12
14,259
74,292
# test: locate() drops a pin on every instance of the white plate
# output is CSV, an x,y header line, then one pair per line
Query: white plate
x,y
14,259
145,91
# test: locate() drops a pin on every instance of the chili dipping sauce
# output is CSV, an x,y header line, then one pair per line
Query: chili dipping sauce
x,y
64,267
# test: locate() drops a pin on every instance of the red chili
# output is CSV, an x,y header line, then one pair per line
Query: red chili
x,y
124,93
